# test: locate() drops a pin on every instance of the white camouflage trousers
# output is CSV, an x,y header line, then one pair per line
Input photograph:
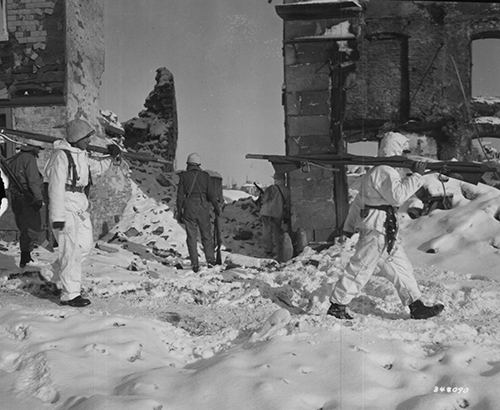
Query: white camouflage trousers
x,y
370,253
75,242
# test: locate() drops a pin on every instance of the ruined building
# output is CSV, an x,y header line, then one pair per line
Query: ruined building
x,y
51,63
154,130
351,66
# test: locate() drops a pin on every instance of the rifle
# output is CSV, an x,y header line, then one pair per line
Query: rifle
x,y
468,171
261,191
48,140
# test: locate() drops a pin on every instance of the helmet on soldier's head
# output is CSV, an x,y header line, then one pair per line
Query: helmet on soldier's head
x,y
77,130
194,159
393,143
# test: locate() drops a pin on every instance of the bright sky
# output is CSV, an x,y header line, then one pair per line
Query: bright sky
x,y
225,56
485,63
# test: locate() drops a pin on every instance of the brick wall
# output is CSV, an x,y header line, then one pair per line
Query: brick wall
x,y
50,72
307,100
32,62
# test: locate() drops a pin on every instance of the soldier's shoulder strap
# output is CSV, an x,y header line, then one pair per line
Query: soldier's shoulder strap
x,y
71,168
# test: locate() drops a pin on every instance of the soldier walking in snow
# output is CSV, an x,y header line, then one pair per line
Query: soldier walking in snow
x,y
27,199
194,193
373,214
68,173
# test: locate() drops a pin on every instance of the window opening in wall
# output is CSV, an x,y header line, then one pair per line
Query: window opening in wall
x,y
486,68
4,33
369,148
485,78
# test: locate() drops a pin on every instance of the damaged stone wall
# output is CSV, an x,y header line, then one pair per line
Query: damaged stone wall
x,y
352,66
314,72
51,71
32,64
427,63
85,56
32,74
85,66
154,131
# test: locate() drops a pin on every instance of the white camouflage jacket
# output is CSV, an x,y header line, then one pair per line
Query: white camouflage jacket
x,y
382,185
57,175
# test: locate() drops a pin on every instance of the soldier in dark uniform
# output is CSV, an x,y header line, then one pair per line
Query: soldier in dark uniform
x,y
194,193
26,204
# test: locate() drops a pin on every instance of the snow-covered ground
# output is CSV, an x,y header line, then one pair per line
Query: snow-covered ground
x,y
253,334
231,195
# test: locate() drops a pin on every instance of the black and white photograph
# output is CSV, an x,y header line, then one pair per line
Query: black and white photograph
x,y
249,204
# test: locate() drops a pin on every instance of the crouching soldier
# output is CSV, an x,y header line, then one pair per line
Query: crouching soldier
x,y
27,200
194,193
68,173
373,214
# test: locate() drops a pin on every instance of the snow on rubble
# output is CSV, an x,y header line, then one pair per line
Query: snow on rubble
x,y
252,334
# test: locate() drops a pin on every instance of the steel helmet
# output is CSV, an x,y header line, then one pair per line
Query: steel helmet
x,y
77,130
194,158
393,143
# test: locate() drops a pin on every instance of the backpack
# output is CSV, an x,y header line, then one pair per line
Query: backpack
x,y
15,183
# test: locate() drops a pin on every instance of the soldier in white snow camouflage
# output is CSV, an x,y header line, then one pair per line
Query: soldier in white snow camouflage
x,y
373,215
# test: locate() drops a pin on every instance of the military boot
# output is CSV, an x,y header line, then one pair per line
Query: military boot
x,y
338,311
419,311
25,259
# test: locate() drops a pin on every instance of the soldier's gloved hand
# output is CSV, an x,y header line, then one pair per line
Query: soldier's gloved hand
x,y
113,150
58,225
37,205
419,167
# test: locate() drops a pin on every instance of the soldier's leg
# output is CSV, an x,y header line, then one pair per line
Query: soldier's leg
x,y
360,267
205,225
398,269
276,235
191,239
70,258
85,238
34,226
18,207
267,234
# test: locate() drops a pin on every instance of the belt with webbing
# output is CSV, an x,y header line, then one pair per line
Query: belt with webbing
x,y
72,188
390,224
